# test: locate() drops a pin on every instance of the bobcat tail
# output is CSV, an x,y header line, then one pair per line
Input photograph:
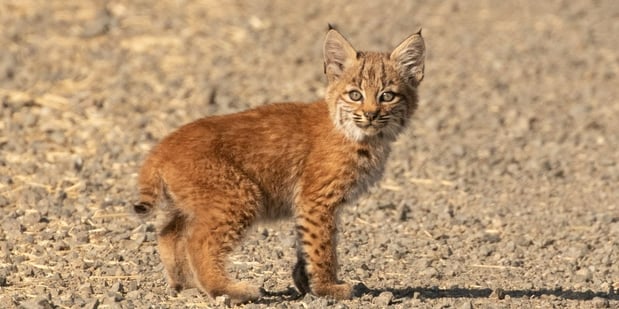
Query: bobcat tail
x,y
151,187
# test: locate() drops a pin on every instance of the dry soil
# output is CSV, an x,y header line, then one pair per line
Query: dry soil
x,y
503,193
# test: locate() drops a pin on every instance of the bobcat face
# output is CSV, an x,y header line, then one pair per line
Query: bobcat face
x,y
369,93
372,102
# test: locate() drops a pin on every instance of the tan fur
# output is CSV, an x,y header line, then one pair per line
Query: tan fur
x,y
215,177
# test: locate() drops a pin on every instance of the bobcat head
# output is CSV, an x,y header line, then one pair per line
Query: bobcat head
x,y
372,94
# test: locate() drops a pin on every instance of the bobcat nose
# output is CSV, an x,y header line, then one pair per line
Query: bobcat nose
x,y
371,115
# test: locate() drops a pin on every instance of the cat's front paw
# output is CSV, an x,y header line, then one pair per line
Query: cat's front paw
x,y
339,291
242,293
237,293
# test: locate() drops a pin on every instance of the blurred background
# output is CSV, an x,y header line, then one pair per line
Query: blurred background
x,y
511,162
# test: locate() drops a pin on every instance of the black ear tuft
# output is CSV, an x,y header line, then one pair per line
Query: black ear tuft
x,y
410,58
338,54
331,27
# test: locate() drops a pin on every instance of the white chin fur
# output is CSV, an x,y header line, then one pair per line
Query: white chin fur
x,y
344,123
351,130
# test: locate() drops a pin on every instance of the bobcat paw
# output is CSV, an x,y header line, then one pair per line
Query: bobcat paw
x,y
339,291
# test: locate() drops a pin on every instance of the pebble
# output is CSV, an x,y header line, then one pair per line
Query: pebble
x,y
498,293
599,302
4,201
429,272
116,287
136,294
584,274
383,299
223,300
85,289
37,303
132,286
466,305
190,293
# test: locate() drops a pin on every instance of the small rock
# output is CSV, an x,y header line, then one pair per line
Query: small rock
x,y
308,298
31,217
466,305
133,295
223,300
78,164
315,302
189,293
4,201
404,212
584,274
66,299
458,150
81,237
429,272
61,245
37,303
576,252
498,294
93,304
113,297
85,289
132,286
599,302
490,236
384,299
116,287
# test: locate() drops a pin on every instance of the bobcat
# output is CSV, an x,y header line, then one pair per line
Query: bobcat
x,y
213,178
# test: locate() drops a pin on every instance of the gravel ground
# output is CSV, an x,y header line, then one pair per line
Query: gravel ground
x,y
503,193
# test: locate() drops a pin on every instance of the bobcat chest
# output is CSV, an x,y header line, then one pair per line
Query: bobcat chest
x,y
369,163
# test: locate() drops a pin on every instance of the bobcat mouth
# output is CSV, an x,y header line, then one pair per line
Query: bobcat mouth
x,y
370,127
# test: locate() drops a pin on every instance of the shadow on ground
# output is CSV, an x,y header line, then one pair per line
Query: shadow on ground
x,y
435,293
432,293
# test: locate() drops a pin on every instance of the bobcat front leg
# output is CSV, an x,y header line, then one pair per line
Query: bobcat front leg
x,y
316,268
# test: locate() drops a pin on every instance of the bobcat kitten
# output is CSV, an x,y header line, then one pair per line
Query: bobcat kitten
x,y
215,177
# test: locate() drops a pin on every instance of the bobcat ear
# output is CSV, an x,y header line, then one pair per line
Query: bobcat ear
x,y
410,58
338,54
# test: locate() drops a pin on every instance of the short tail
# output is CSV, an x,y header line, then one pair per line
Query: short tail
x,y
150,184
143,208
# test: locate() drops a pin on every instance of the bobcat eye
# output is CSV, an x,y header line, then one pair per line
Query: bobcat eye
x,y
387,96
355,95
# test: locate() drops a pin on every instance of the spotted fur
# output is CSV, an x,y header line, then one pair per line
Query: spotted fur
x,y
213,178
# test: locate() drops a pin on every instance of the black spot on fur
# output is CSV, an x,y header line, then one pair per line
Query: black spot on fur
x,y
364,153
302,229
310,221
